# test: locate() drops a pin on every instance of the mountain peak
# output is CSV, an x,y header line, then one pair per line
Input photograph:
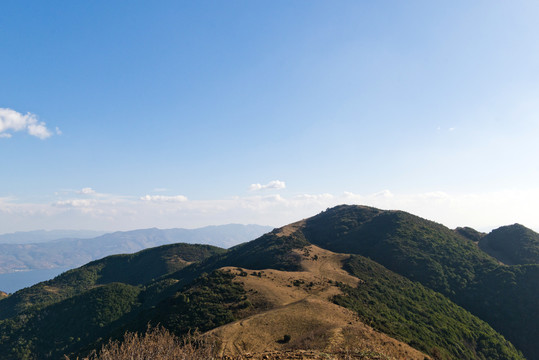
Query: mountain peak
x,y
512,244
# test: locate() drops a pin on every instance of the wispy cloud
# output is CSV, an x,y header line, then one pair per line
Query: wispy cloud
x,y
86,191
76,203
13,121
75,209
316,197
164,198
450,129
275,184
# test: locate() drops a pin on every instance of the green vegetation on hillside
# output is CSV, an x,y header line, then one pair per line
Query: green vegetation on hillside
x,y
507,298
68,325
419,249
126,292
470,233
513,244
134,269
270,251
419,316
81,323
437,257
210,301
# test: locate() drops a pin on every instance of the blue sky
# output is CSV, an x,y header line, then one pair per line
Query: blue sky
x,y
120,115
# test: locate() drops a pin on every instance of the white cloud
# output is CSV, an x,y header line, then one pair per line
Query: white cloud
x,y
86,191
13,121
318,197
383,194
164,198
39,130
482,211
77,203
275,184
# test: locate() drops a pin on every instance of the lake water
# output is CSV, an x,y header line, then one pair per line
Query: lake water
x,y
15,281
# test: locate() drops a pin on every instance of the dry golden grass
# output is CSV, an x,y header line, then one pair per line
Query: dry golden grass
x,y
298,304
311,355
291,228
159,344
156,344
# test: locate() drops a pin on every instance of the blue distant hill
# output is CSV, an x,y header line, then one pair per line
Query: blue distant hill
x,y
73,252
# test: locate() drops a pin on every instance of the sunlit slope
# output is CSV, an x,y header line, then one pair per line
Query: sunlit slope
x,y
299,305
441,259
302,305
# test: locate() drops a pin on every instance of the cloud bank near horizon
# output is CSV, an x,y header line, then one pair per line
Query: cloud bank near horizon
x,y
88,209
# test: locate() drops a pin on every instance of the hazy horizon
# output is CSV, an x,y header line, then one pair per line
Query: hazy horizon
x,y
103,232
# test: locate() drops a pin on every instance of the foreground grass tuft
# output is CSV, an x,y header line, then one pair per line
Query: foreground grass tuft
x,y
156,344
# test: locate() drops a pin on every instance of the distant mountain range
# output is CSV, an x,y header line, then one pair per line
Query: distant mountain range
x,y
56,249
379,284
39,236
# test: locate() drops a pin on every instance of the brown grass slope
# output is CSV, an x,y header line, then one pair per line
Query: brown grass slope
x,y
160,344
292,310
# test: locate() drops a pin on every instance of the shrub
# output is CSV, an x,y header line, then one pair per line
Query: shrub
x,y
156,344
284,340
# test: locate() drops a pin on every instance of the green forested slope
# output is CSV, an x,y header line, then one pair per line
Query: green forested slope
x,y
134,269
470,233
68,325
419,316
83,322
507,297
424,251
419,249
512,244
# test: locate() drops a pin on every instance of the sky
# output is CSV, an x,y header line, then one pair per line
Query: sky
x,y
120,115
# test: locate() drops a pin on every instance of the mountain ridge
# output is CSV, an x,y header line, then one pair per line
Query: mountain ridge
x,y
209,293
69,253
